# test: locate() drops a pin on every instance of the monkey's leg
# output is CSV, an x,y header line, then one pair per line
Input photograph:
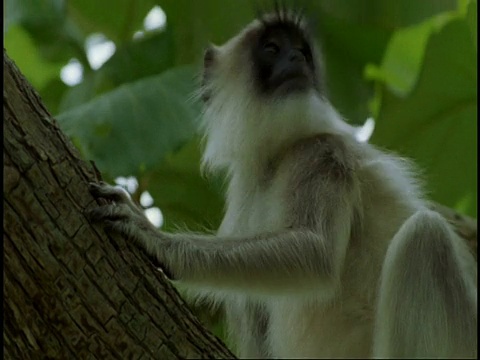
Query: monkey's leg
x,y
247,323
428,296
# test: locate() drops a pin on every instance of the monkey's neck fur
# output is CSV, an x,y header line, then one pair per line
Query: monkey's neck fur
x,y
246,136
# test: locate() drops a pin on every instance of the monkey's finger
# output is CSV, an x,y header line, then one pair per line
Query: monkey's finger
x,y
117,226
106,191
126,228
122,227
110,211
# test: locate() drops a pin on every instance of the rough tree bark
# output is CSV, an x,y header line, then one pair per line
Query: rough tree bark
x,y
70,290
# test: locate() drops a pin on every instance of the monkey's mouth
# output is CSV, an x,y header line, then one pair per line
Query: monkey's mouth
x,y
292,81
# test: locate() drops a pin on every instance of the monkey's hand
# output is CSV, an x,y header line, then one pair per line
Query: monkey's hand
x,y
121,215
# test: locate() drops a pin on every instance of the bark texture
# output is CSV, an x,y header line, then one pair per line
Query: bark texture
x,y
71,291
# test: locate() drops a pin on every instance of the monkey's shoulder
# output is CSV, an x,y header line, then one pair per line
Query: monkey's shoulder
x,y
327,155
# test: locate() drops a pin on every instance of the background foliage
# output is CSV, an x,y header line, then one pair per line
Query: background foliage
x,y
410,65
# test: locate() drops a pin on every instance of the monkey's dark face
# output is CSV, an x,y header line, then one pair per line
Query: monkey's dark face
x,y
283,62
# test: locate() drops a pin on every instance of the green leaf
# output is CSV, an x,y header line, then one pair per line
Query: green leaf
x,y
387,14
52,93
354,33
472,20
347,47
404,54
135,126
436,124
31,12
80,93
140,58
198,23
136,59
184,196
117,19
21,48
46,21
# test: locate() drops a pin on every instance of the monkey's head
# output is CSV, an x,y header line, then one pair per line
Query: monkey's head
x,y
275,56
263,89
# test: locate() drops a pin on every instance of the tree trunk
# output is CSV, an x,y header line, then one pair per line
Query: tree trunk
x,y
70,290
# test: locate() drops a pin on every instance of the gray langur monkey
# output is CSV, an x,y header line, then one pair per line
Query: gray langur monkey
x,y
327,248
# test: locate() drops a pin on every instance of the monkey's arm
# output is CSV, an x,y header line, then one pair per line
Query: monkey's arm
x,y
292,258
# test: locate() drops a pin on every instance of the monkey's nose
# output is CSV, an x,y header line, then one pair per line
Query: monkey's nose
x,y
296,55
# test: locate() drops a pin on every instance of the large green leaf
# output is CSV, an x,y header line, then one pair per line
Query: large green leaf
x,y
356,33
404,55
436,124
134,60
135,126
149,55
80,93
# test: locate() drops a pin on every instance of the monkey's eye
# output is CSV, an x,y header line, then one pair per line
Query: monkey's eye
x,y
305,50
271,47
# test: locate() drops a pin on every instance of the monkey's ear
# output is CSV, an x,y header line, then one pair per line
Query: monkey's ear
x,y
209,56
209,59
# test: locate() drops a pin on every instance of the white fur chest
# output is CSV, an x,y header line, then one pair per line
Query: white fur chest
x,y
253,208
